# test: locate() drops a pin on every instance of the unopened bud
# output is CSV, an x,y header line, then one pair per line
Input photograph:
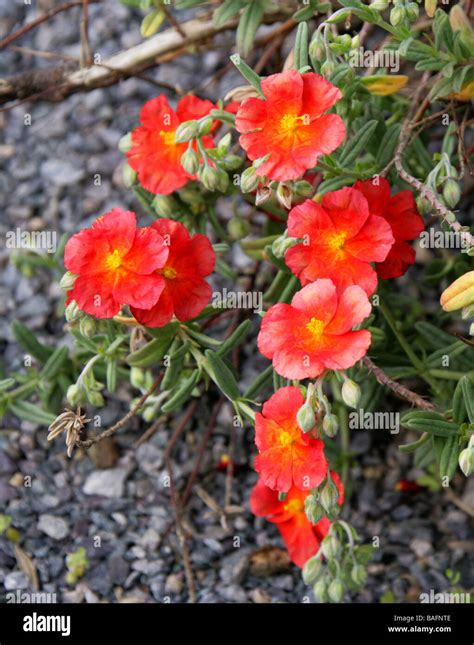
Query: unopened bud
x,y
459,294
72,312
331,547
249,180
306,418
129,176
232,162
312,570
451,192
329,495
87,326
336,591
466,461
95,398
413,11
209,178
313,510
303,188
149,413
355,42
222,180
397,15
281,245
320,591
125,143
350,393
224,144
327,68
137,377
74,395
164,205
186,131
330,425
359,575
205,125
238,227
67,281
190,161
430,7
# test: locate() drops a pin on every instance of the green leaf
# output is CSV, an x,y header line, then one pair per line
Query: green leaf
x,y
459,406
247,72
111,374
31,412
301,46
182,393
221,374
431,422
30,343
54,364
388,144
260,382
249,22
235,338
152,22
6,384
334,184
468,395
153,352
227,9
442,31
449,458
434,336
176,363
358,143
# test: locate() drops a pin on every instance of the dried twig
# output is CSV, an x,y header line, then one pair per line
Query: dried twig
x,y
401,390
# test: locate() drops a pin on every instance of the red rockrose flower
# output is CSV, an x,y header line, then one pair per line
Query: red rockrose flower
x,y
402,215
302,539
184,293
154,155
287,455
290,125
313,333
116,264
340,238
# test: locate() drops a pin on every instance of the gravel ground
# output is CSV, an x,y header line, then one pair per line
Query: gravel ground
x,y
47,182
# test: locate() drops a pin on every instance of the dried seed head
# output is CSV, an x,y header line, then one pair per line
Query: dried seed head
x,y
71,423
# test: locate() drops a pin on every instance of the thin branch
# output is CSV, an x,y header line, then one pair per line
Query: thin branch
x,y
38,21
110,431
400,390
86,54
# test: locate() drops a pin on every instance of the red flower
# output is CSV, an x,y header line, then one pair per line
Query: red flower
x,y
154,155
116,264
340,237
287,455
402,215
290,125
184,291
302,539
314,332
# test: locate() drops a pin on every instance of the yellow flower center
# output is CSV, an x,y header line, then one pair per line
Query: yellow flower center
x,y
294,506
337,241
289,123
168,138
169,273
285,438
114,260
316,327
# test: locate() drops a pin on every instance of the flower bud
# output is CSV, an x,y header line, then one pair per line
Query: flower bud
x,y
350,393
186,131
303,188
379,5
190,161
306,418
232,162
149,413
129,176
329,495
397,15
164,205
359,575
314,511
125,143
95,398
320,591
330,425
423,205
67,281
72,312
74,395
222,180
224,144
87,326
336,591
282,244
312,570
330,547
451,192
459,294
209,178
249,180
430,7
137,377
327,68
413,11
238,227
355,42
466,461
205,125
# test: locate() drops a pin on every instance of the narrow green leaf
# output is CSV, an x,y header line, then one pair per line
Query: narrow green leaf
x,y
301,46
182,393
221,374
358,143
55,362
30,343
249,22
31,412
225,12
235,338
